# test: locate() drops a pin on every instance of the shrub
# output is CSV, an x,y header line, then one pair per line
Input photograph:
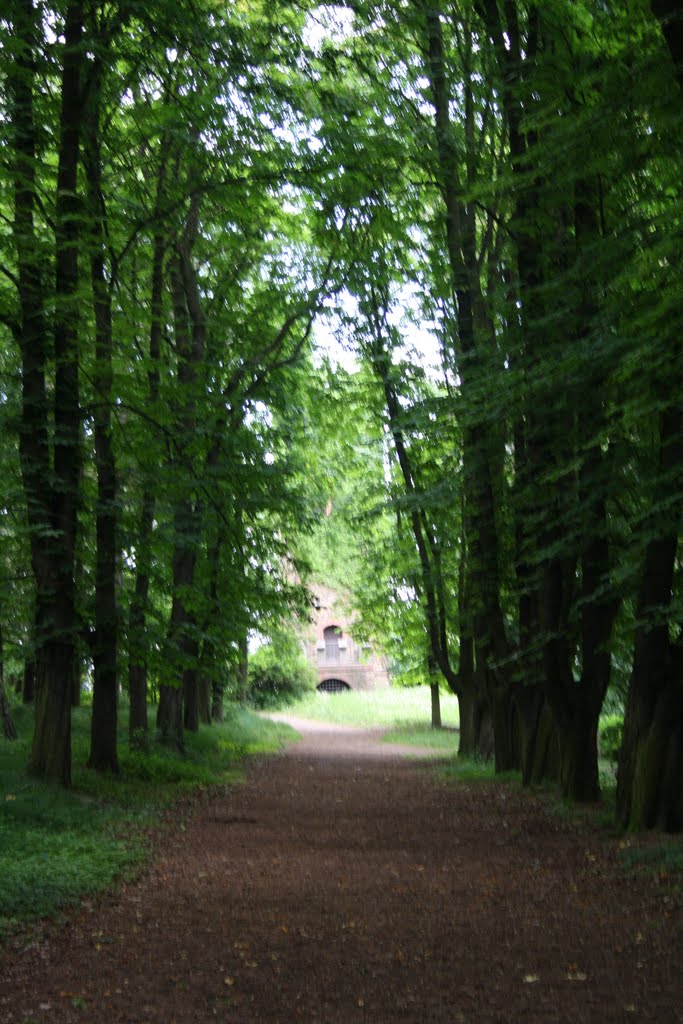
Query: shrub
x,y
611,728
279,674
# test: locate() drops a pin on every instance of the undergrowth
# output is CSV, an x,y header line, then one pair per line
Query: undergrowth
x,y
57,846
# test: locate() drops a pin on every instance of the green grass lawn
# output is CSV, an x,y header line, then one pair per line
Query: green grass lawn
x,y
405,712
418,734
57,846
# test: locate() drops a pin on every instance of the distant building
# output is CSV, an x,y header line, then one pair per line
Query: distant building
x,y
341,663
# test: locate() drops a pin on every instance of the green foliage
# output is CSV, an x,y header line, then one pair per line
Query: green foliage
x,y
279,674
611,730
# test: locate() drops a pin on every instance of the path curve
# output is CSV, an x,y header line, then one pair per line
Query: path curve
x,y
328,740
344,883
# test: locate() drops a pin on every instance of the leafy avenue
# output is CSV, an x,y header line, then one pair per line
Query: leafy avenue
x,y
192,196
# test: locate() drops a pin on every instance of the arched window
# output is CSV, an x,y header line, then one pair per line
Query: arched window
x,y
333,686
332,636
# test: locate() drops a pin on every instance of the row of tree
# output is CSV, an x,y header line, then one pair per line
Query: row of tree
x,y
185,189
158,294
522,177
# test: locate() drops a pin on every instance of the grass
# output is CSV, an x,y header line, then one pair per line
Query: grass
x,y
416,734
476,770
58,846
401,709
662,857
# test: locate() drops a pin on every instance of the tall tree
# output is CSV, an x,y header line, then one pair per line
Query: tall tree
x,y
50,431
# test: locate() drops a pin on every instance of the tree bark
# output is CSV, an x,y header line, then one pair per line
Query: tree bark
x,y
137,616
434,692
208,673
217,701
103,737
170,716
191,693
548,439
189,334
137,649
650,769
491,644
476,723
52,490
204,698
28,687
243,670
8,727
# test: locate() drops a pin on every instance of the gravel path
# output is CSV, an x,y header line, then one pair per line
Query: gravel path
x,y
344,882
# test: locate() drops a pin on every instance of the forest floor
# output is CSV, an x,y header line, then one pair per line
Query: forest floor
x,y
344,881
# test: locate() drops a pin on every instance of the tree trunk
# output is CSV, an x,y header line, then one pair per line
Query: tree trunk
x,y
476,727
181,646
204,698
51,509
191,691
540,740
170,716
579,754
103,737
33,437
243,670
492,650
28,688
137,662
550,438
189,336
51,751
8,728
137,640
208,667
216,701
506,730
651,757
435,705
649,790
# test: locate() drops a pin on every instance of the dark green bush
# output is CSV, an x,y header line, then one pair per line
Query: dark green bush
x,y
279,674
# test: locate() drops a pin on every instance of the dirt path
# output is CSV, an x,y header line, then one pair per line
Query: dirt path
x,y
345,883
